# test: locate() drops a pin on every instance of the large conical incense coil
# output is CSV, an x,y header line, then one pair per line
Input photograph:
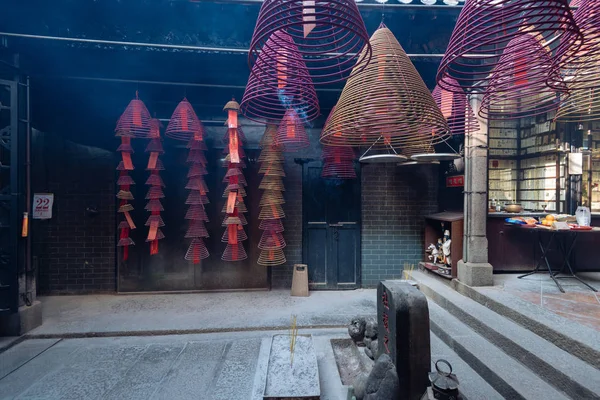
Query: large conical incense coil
x,y
234,252
154,205
197,251
239,233
271,197
330,36
517,87
387,105
272,183
271,90
272,168
268,138
291,135
271,212
196,156
135,120
271,240
184,123
197,229
125,180
239,205
456,109
484,29
155,146
196,212
155,180
155,192
197,184
338,153
194,197
157,219
271,225
123,208
270,258
124,195
196,170
237,188
343,169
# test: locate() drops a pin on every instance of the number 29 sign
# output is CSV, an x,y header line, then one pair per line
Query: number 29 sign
x,y
42,205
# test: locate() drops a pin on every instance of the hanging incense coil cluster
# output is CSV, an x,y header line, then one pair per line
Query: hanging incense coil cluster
x,y
234,207
518,85
486,27
155,191
388,105
279,81
135,122
271,159
330,35
456,110
582,72
184,125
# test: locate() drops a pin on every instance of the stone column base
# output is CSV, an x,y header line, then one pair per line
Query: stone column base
x,y
21,322
475,274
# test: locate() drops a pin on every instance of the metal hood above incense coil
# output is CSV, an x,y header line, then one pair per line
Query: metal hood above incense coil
x,y
387,105
484,29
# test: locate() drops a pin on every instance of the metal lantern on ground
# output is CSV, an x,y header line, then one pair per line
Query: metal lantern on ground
x,y
518,86
387,107
330,35
484,29
582,72
184,125
271,90
234,206
155,192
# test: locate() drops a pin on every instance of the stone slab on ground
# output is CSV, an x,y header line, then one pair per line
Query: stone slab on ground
x,y
77,316
297,378
15,357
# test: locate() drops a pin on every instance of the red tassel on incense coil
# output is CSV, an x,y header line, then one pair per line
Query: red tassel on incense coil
x,y
197,251
240,133
184,123
135,120
456,109
291,135
155,219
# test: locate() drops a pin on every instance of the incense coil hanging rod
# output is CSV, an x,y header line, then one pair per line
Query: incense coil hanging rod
x,y
387,105
517,87
485,27
330,35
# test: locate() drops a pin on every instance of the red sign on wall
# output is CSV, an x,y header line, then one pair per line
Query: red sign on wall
x,y
455,181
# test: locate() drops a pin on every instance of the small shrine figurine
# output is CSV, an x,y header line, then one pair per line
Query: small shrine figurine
x,y
432,252
446,248
440,250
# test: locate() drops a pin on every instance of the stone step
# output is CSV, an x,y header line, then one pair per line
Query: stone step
x,y
511,379
567,373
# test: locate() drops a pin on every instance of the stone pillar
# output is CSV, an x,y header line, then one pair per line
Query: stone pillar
x,y
474,269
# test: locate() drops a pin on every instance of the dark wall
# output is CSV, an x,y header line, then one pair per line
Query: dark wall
x,y
75,249
394,202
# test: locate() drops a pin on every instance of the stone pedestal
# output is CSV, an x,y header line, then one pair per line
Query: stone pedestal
x,y
475,274
21,322
403,334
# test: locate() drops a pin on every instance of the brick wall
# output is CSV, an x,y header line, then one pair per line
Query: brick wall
x,y
75,249
394,202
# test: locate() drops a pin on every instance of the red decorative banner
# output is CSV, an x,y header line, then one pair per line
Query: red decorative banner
x,y
455,181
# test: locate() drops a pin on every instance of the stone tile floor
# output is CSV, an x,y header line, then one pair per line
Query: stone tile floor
x,y
578,303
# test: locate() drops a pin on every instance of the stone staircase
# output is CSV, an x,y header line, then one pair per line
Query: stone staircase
x,y
506,353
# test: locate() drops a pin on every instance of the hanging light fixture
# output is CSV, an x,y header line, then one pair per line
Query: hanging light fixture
x,y
330,35
387,107
279,81
484,29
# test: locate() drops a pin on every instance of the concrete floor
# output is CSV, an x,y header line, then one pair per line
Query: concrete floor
x,y
73,316
578,303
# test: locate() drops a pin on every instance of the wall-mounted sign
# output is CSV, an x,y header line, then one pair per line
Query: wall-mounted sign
x,y
42,205
455,181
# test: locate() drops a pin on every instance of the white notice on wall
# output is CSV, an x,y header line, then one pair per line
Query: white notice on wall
x,y
575,164
42,205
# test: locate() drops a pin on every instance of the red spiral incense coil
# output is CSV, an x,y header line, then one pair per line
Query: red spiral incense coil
x,y
342,169
330,36
271,91
291,135
234,252
155,192
196,229
517,87
197,251
484,29
239,233
196,212
155,219
195,197
184,123
271,240
271,225
456,109
135,121
196,156
271,258
196,170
